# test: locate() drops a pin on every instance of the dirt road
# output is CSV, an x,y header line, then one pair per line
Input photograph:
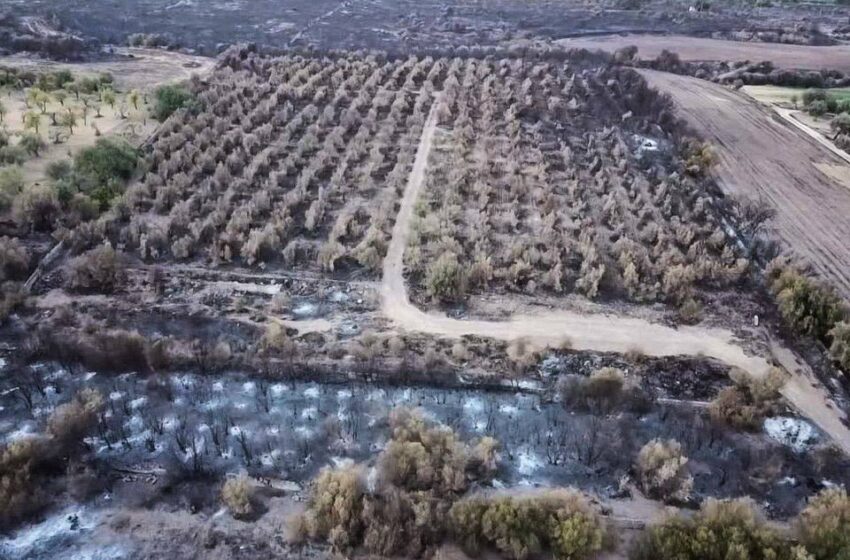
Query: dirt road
x,y
694,49
763,156
599,332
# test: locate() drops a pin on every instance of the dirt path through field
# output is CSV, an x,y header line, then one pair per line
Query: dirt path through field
x,y
600,332
762,156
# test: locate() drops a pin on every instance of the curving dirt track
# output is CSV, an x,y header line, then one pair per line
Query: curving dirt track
x,y
599,332
763,156
695,49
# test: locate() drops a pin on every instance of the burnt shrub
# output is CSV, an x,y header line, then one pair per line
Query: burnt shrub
x,y
95,348
97,270
21,463
604,391
14,259
745,404
70,422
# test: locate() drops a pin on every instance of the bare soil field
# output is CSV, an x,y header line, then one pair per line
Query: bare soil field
x,y
698,49
133,68
762,156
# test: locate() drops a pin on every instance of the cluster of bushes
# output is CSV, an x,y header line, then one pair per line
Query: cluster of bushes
x,y
557,522
18,78
746,403
820,102
724,529
404,510
812,308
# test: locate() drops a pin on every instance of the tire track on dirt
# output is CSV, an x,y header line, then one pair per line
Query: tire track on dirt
x,y
599,332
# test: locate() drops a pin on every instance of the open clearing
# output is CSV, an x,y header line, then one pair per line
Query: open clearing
x,y
762,156
141,69
694,49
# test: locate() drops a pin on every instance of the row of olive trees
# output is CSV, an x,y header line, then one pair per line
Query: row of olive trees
x,y
513,201
294,160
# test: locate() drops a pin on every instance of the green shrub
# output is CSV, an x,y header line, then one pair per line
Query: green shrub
x,y
806,305
721,530
559,522
446,279
168,99
824,526
102,170
57,170
840,347
12,155
107,160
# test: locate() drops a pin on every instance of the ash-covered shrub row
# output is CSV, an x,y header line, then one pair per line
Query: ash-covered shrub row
x,y
564,178
293,160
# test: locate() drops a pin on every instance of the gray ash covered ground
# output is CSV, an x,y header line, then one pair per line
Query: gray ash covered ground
x,y
392,25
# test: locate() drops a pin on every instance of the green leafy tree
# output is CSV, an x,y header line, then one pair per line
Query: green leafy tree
x,y
168,99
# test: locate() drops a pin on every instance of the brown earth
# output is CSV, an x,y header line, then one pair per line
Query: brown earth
x,y
694,49
763,156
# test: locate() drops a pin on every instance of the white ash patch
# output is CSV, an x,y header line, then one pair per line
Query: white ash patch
x,y
311,392
797,434
528,463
